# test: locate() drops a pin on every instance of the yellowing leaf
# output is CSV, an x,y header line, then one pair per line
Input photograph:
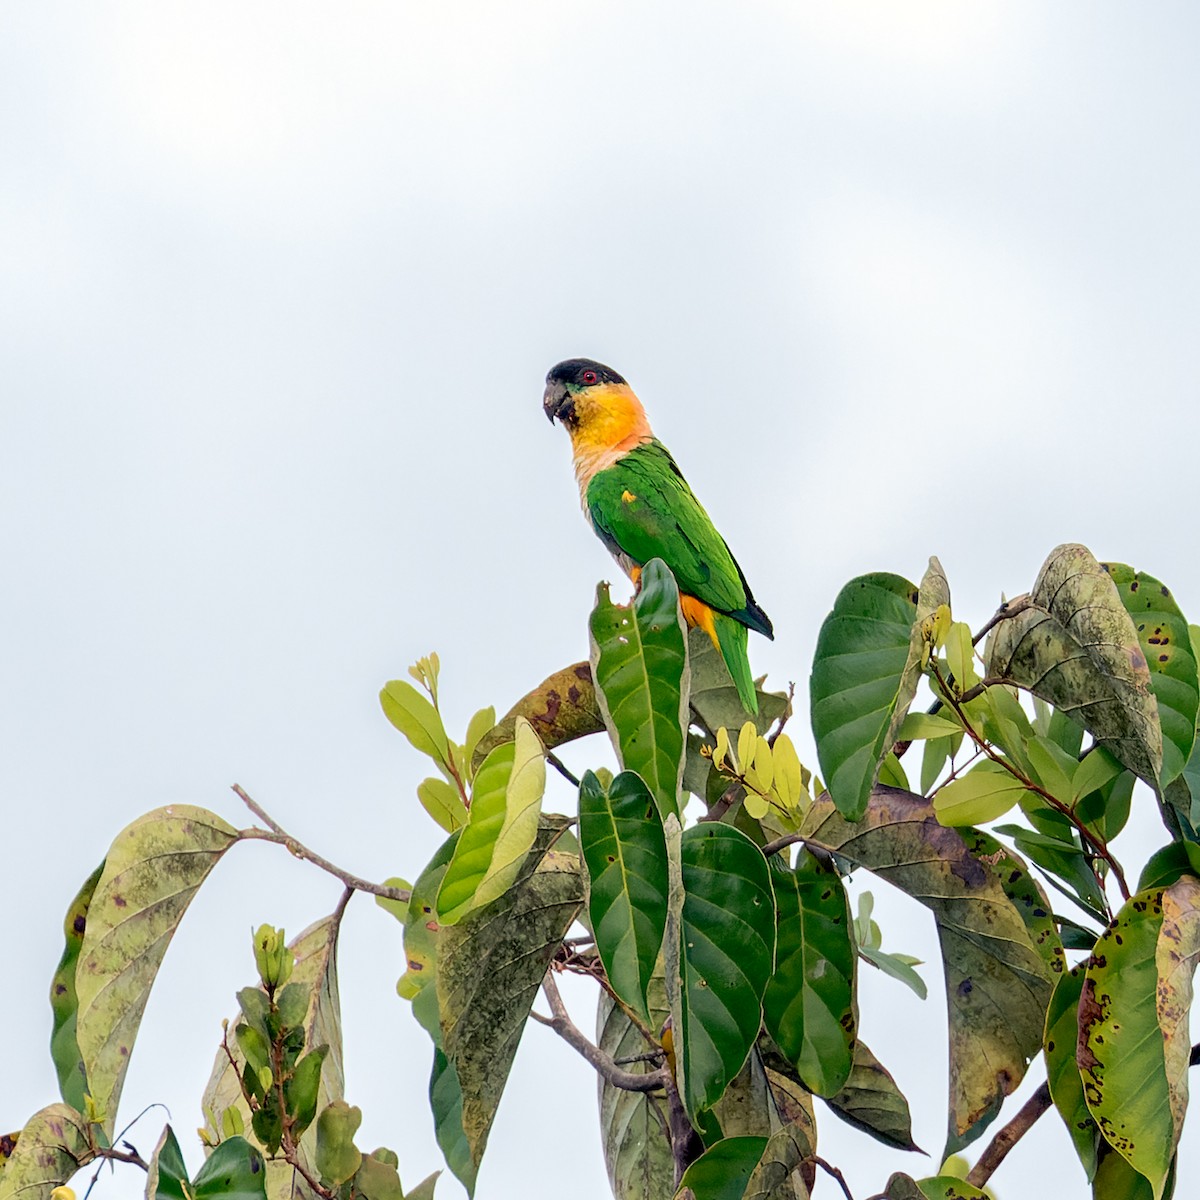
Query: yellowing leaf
x,y
747,743
788,784
505,807
416,718
960,656
721,749
984,793
756,805
443,803
761,771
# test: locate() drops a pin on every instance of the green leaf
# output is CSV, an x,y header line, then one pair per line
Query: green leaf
x,y
64,1003
1062,1072
1166,865
898,966
421,924
1162,632
809,1002
416,718
626,855
235,1170
152,871
636,1150
1095,771
723,1171
640,665
917,725
1133,1044
445,1095
871,1101
997,985
714,699
424,1189
337,1156
987,791
50,1149
561,708
862,676
167,1178
489,967
506,802
1072,643
300,1092
949,1187
443,803
315,972
725,945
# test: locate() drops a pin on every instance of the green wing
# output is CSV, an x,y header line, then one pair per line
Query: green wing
x,y
642,508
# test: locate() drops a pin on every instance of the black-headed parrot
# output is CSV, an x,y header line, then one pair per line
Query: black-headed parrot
x,y
641,507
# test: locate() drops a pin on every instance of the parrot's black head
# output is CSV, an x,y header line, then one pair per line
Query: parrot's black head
x,y
568,379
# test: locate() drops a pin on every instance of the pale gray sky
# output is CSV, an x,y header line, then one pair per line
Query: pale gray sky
x,y
278,288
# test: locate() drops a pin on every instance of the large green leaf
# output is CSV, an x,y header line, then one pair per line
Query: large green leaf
x,y
50,1149
233,1171
1062,1072
640,665
561,708
1162,632
862,676
626,854
984,793
151,873
719,953
489,967
723,1170
636,1150
808,1006
1133,1042
64,1003
506,802
871,1101
997,984
316,969
1072,643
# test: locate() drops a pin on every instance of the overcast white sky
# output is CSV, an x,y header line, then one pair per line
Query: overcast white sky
x,y
278,288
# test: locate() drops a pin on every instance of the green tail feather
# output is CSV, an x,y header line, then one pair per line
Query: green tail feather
x,y
732,636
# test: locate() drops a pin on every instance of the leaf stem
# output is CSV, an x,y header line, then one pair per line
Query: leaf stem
x,y
275,833
834,1173
561,768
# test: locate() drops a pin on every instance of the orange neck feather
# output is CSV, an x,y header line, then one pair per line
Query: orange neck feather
x,y
610,421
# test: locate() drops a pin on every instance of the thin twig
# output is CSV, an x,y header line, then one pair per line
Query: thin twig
x,y
834,1173
1010,608
130,1156
1009,1136
275,833
783,720
559,766
561,1023
724,803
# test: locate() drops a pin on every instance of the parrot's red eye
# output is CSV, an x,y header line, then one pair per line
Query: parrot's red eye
x,y
589,377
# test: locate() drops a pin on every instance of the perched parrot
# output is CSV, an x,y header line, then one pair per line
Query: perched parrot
x,y
641,507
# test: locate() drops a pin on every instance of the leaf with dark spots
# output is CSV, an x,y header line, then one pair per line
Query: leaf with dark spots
x,y
153,869
997,982
53,1145
561,708
489,968
1072,643
64,1003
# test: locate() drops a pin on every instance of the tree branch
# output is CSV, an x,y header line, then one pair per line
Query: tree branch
x,y
275,833
560,767
561,1023
781,843
834,1173
1009,1136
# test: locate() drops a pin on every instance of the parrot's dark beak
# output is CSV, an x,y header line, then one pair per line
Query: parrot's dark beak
x,y
558,402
